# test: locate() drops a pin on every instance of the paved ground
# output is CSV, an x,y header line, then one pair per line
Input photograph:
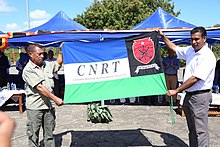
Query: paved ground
x,y
132,125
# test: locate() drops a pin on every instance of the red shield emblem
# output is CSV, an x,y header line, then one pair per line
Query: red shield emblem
x,y
143,50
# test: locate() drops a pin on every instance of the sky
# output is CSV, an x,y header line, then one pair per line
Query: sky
x,y
14,18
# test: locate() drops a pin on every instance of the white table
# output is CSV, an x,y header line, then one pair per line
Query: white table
x,y
215,102
16,95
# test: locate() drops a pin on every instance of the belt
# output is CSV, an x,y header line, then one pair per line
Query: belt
x,y
198,91
171,74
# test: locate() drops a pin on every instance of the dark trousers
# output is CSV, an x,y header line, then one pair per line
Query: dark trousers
x,y
196,108
171,82
56,88
3,81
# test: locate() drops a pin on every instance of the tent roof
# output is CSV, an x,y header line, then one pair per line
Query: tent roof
x,y
2,32
60,22
162,19
177,36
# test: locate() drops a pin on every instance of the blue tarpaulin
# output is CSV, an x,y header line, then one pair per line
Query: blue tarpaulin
x,y
178,36
60,22
162,19
176,30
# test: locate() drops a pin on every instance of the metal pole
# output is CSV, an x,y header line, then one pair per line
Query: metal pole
x,y
28,16
102,102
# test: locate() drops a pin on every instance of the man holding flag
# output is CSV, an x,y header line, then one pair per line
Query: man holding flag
x,y
38,76
198,81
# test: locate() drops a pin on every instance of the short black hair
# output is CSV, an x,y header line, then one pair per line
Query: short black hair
x,y
50,51
45,55
202,30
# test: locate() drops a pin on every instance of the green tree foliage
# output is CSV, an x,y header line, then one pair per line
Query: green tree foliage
x,y
216,25
216,50
121,14
14,52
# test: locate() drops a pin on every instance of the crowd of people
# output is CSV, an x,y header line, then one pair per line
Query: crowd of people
x,y
40,75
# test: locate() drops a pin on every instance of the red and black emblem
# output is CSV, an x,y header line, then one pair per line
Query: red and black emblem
x,y
143,50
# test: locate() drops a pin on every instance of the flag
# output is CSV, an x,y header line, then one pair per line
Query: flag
x,y
113,68
3,43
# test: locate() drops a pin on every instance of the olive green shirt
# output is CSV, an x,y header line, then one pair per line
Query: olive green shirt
x,y
34,75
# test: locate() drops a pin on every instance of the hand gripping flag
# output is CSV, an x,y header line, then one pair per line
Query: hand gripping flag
x,y
113,68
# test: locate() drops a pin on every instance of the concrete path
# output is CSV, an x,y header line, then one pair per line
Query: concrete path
x,y
132,125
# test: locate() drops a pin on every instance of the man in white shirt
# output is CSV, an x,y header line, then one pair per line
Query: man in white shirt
x,y
198,81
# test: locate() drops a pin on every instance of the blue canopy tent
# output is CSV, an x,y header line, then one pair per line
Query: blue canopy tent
x,y
182,36
178,31
178,36
54,39
60,22
162,19
159,18
2,32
